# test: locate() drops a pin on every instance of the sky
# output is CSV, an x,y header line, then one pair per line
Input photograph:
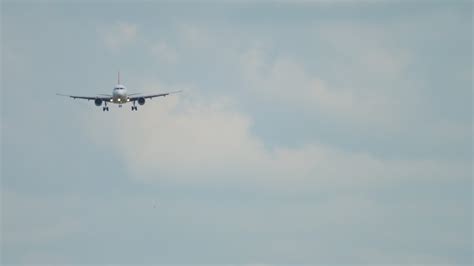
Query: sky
x,y
329,132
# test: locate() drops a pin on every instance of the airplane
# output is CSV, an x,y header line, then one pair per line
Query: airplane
x,y
119,96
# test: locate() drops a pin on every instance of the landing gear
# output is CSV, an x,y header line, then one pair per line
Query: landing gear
x,y
105,108
134,108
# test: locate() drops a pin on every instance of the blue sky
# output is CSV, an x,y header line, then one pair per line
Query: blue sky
x,y
318,133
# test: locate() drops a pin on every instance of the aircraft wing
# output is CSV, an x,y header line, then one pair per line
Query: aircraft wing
x,y
151,96
86,97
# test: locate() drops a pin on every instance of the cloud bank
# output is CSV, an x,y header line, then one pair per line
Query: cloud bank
x,y
190,140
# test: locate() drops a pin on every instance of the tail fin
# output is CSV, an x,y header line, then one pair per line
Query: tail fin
x,y
118,78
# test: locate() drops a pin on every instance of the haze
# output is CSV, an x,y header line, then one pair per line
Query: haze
x,y
318,133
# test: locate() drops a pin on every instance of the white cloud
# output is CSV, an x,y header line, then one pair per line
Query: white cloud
x,y
186,140
285,81
375,97
367,89
119,35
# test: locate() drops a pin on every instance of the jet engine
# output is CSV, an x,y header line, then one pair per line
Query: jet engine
x,y
141,101
98,102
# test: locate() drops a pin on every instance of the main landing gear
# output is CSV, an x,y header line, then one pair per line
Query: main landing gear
x,y
105,108
134,107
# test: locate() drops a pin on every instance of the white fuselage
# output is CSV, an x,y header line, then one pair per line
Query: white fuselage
x,y
119,95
